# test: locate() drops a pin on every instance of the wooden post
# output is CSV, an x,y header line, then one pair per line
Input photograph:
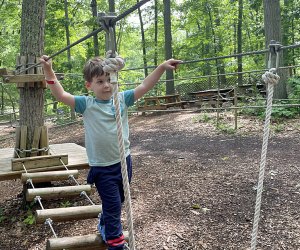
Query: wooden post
x,y
23,140
44,141
235,110
36,140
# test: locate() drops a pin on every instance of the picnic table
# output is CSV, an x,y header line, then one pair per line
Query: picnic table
x,y
162,102
212,96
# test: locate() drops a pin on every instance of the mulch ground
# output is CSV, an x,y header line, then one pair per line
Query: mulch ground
x,y
194,186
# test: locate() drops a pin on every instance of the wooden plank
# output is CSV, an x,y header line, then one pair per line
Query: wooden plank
x,y
39,162
30,62
82,242
77,159
49,176
36,139
68,213
17,142
4,71
57,192
30,78
44,140
23,140
152,107
21,61
39,71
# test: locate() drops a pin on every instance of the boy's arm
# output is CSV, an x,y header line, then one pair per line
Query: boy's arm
x,y
154,77
56,89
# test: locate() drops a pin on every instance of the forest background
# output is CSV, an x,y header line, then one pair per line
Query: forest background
x,y
187,30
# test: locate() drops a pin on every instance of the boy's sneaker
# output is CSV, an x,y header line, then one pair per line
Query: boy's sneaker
x,y
101,229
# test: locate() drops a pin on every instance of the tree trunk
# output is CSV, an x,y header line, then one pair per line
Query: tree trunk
x,y
32,44
143,42
272,24
67,21
155,39
219,63
239,43
95,37
170,89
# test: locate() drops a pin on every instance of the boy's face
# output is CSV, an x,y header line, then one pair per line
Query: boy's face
x,y
101,86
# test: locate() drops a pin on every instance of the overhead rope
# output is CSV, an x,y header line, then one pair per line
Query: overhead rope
x,y
270,78
112,64
257,52
95,32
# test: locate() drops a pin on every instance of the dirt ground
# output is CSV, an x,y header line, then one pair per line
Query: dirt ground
x,y
194,186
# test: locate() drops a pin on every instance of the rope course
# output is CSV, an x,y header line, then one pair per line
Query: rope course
x,y
107,25
38,199
271,78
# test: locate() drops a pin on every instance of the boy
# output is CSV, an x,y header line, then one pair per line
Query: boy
x,y
101,136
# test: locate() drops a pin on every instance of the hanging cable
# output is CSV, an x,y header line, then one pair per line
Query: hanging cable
x,y
113,22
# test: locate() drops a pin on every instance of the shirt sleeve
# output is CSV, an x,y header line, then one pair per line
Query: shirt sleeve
x,y
80,104
129,97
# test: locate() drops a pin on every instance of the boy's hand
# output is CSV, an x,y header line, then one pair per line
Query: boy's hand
x,y
47,66
46,62
171,64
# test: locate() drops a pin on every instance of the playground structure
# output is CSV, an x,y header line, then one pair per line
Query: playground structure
x,y
46,163
35,164
32,163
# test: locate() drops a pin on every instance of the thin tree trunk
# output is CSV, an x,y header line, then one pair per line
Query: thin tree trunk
x,y
95,37
239,43
67,21
143,42
170,89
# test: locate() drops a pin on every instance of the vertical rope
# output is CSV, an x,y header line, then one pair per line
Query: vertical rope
x,y
262,167
126,186
270,80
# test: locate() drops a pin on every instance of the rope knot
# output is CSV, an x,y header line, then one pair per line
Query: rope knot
x,y
270,77
113,64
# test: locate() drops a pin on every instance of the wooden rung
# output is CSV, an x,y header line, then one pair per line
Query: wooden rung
x,y
84,242
38,162
68,213
49,176
57,192
23,78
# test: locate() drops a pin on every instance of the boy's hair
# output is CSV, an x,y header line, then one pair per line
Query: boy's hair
x,y
92,68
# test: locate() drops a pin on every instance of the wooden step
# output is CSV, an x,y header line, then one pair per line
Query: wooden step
x,y
49,176
38,162
57,192
68,213
84,242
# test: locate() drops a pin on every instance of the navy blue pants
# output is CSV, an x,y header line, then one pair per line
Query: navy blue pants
x,y
108,181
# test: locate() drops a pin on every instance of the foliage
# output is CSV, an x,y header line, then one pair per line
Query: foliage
x,y
65,204
2,215
225,128
29,217
200,29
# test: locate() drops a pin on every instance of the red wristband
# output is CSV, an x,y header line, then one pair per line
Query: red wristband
x,y
51,82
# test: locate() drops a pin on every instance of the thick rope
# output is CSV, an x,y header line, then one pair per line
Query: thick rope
x,y
112,65
270,79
